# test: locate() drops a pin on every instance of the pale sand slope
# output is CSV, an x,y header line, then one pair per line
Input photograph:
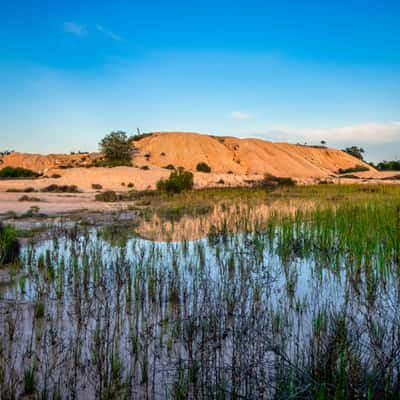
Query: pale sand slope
x,y
223,154
241,156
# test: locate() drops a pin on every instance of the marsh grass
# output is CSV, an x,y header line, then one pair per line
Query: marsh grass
x,y
300,302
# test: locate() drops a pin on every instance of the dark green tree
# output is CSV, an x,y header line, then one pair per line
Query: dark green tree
x,y
117,147
355,152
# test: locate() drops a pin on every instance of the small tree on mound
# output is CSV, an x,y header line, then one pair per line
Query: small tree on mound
x,y
177,182
355,152
203,167
117,148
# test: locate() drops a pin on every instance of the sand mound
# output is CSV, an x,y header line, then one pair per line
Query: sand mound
x,y
225,155
43,163
241,156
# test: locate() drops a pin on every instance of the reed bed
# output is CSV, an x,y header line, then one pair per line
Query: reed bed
x,y
298,303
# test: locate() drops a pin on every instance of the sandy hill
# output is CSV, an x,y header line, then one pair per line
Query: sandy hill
x,y
240,156
223,154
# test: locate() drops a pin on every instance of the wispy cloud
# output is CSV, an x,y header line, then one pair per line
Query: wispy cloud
x,y
75,29
240,115
367,133
112,35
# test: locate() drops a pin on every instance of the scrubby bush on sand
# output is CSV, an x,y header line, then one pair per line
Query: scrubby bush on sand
x,y
96,186
169,166
60,189
203,167
108,196
357,168
271,182
18,172
28,198
177,182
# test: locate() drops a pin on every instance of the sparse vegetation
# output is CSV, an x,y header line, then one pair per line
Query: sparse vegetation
x,y
203,167
60,189
108,196
97,186
117,149
271,182
169,166
23,190
9,245
29,198
357,168
17,172
179,181
294,303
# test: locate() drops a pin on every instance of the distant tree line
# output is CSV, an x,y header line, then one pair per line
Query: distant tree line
x,y
393,165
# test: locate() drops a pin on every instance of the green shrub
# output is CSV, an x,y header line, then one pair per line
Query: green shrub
x,y
28,198
25,190
60,189
96,186
357,168
9,244
145,167
203,167
109,196
131,185
18,172
177,182
350,176
169,166
55,176
271,182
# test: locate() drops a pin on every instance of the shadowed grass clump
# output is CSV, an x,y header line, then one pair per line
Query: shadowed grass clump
x,y
9,244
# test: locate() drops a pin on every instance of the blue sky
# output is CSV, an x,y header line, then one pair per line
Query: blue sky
x,y
298,71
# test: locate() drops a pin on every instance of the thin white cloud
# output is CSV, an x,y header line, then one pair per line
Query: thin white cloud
x,y
75,29
240,115
371,132
112,35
